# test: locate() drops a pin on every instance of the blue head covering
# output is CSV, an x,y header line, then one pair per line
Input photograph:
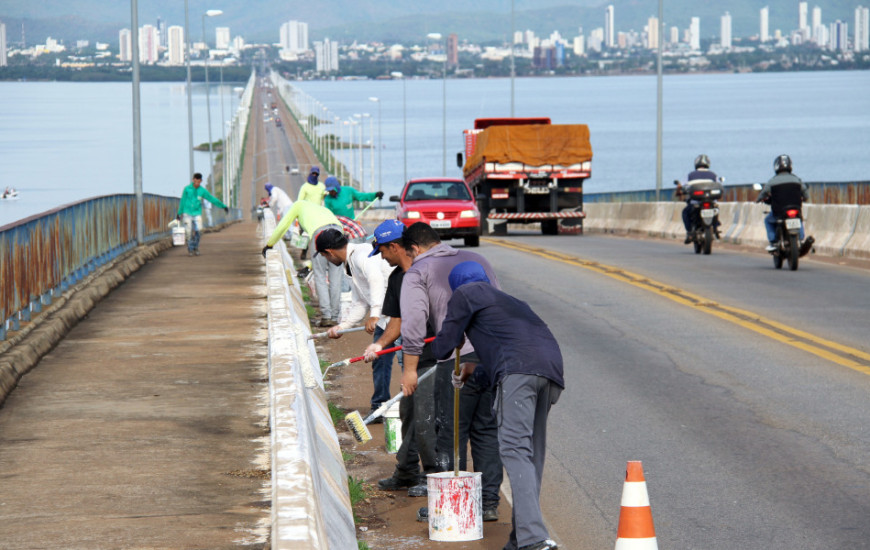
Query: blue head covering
x,y
269,187
466,272
332,184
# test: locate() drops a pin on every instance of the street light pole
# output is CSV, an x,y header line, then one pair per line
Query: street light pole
x,y
437,37
209,13
137,126
659,102
189,100
371,151
513,67
380,164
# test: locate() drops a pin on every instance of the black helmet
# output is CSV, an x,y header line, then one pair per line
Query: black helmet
x,y
702,161
782,163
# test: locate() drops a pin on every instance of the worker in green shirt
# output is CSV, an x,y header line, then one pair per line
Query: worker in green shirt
x,y
340,199
313,219
190,211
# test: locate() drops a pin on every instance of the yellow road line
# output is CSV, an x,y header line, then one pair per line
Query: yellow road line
x,y
826,349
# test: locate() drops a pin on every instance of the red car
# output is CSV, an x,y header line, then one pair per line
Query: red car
x,y
445,204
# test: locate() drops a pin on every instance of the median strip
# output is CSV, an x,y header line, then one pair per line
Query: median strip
x,y
826,349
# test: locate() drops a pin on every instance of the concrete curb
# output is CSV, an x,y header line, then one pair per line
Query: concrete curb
x,y
310,499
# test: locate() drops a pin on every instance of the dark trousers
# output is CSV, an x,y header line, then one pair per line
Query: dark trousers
x,y
418,430
382,369
477,426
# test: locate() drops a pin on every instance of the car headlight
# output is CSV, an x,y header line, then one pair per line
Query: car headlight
x,y
412,215
468,214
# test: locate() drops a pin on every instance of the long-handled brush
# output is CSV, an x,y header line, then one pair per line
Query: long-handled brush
x,y
457,368
350,360
358,426
345,331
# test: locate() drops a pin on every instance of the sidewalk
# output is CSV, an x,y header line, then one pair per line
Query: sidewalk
x,y
146,427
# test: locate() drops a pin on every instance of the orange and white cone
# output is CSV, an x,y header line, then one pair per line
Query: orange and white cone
x,y
636,530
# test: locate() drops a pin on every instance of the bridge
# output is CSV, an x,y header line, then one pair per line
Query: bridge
x,y
164,401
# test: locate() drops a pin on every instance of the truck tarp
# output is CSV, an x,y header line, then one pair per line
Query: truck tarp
x,y
532,145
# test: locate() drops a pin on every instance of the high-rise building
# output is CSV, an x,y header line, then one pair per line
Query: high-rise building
x,y
518,37
839,36
652,33
452,50
175,45
125,45
3,53
609,26
819,32
675,35
862,29
725,31
161,31
294,36
695,34
579,45
326,56
149,43
802,16
764,30
222,38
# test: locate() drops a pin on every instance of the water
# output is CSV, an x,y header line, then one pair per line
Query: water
x,y
62,142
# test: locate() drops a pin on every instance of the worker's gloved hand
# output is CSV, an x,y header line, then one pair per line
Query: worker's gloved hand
x,y
371,352
178,217
265,248
457,381
227,209
379,194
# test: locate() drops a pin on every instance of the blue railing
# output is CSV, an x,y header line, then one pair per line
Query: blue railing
x,y
43,255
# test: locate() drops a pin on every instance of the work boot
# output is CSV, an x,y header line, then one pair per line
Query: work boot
x,y
394,483
490,513
688,238
378,419
423,514
542,545
419,490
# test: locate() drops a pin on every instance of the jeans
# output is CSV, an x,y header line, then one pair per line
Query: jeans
x,y
477,426
770,225
522,441
192,226
328,292
382,369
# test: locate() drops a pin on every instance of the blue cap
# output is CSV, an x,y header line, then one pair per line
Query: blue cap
x,y
332,183
315,170
269,187
466,272
387,232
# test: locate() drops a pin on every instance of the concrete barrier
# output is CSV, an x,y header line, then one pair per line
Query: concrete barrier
x,y
751,231
662,216
310,499
832,225
858,245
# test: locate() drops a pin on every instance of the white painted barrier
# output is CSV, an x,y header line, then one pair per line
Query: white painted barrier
x,y
310,499
858,246
831,225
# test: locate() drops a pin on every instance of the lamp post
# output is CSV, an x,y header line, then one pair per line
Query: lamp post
x,y
661,46
350,124
137,128
437,37
380,165
209,13
371,150
362,177
336,165
397,74
189,100
513,66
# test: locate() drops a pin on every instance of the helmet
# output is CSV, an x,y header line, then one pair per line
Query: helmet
x,y
782,163
702,161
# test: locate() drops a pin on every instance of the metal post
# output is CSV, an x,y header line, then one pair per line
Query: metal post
x,y
659,103
513,67
380,164
372,152
208,109
137,126
226,195
189,100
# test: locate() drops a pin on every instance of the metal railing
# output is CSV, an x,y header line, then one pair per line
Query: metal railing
x,y
43,255
822,192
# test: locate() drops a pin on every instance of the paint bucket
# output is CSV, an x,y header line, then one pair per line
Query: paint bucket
x,y
393,429
177,236
455,506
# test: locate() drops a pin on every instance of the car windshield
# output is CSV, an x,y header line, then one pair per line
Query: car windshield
x,y
436,191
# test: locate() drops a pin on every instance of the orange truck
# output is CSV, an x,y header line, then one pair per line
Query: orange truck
x,y
527,170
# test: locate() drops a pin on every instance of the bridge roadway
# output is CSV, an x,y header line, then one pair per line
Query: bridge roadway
x,y
147,426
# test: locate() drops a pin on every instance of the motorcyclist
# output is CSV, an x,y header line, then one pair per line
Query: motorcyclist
x,y
701,172
781,191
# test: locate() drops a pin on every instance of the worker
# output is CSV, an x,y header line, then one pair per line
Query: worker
x,y
279,201
340,198
312,190
522,362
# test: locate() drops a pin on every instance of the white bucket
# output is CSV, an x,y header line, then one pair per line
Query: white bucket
x,y
299,241
178,236
455,506
392,429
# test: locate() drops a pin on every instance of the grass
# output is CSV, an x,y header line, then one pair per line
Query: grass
x,y
337,413
358,493
323,365
362,545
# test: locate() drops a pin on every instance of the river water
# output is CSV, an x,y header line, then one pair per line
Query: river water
x,y
61,142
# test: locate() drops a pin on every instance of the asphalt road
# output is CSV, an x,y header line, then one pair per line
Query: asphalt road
x,y
752,435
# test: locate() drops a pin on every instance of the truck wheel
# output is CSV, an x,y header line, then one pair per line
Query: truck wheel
x,y
550,227
473,240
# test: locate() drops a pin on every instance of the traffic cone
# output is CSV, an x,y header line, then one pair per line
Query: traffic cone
x,y
636,530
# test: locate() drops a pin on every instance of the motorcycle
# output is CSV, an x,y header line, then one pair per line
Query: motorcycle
x,y
704,216
788,242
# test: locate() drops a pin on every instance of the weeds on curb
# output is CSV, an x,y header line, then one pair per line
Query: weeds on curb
x,y
336,413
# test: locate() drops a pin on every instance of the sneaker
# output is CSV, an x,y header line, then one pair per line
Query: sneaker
x,y
423,514
419,490
196,252
394,483
190,252
543,545
771,247
490,514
